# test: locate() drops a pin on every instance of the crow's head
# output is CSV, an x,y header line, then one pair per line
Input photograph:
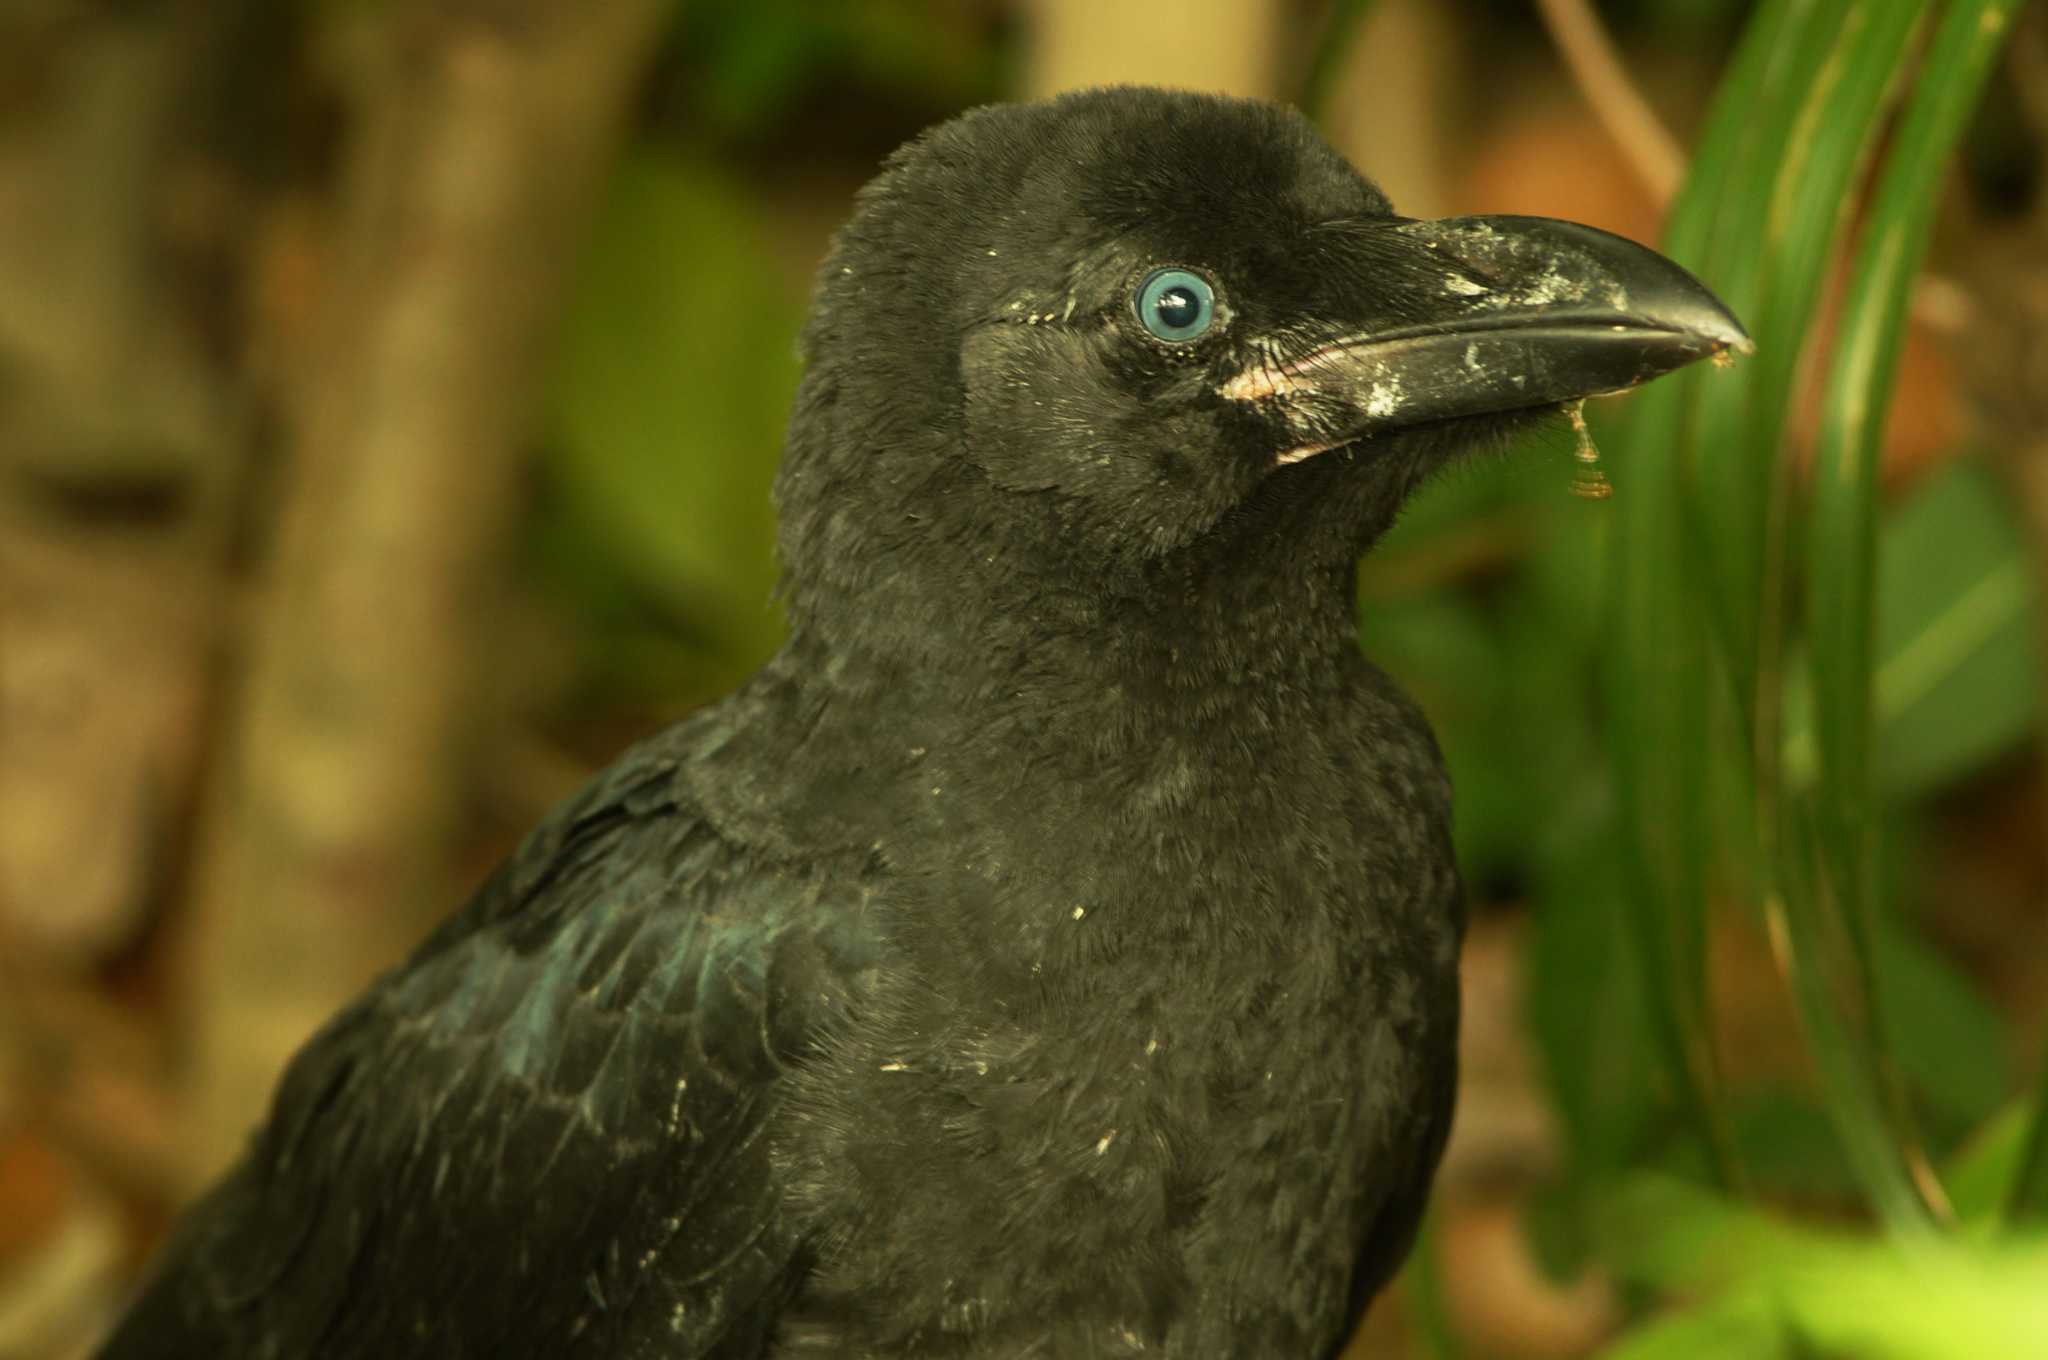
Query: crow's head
x,y
1124,323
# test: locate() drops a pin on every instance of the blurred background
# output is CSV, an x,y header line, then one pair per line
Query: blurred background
x,y
389,397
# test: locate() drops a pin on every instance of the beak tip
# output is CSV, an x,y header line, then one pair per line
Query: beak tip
x,y
1723,332
1685,305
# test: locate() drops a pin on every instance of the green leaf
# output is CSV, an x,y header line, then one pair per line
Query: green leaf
x,y
1958,677
1790,1147
1748,1325
1924,1298
1678,1237
1946,1039
1982,1173
2027,1199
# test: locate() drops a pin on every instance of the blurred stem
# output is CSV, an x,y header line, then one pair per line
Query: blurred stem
x,y
1340,31
478,146
1596,67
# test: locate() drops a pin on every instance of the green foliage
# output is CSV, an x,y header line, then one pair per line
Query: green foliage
x,y
2026,1199
1830,904
1949,1044
1957,675
1788,670
676,372
749,61
1589,1012
1986,1168
1766,1287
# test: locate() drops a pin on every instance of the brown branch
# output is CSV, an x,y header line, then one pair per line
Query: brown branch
x,y
478,150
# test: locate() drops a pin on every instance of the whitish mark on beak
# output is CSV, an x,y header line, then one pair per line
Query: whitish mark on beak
x,y
1261,382
1306,452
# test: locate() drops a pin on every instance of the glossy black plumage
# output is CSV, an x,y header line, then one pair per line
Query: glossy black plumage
x,y
1052,951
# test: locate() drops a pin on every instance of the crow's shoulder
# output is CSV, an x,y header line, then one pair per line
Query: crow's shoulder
x,y
546,1131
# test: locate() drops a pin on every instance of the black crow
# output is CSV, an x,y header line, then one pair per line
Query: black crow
x,y
1052,951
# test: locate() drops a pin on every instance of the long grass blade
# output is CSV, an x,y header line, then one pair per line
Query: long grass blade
x,y
1834,973
1808,129
1660,662
1842,533
1731,442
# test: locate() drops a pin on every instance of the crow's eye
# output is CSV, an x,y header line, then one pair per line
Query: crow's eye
x,y
1176,304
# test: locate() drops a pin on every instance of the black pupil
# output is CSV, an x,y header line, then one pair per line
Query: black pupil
x,y
1178,308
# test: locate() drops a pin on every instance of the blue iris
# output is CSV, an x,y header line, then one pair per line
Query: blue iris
x,y
1176,304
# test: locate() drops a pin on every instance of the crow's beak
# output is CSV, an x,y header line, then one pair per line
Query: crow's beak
x,y
1495,314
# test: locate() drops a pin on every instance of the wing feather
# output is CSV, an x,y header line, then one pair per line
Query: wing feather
x,y
547,1132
